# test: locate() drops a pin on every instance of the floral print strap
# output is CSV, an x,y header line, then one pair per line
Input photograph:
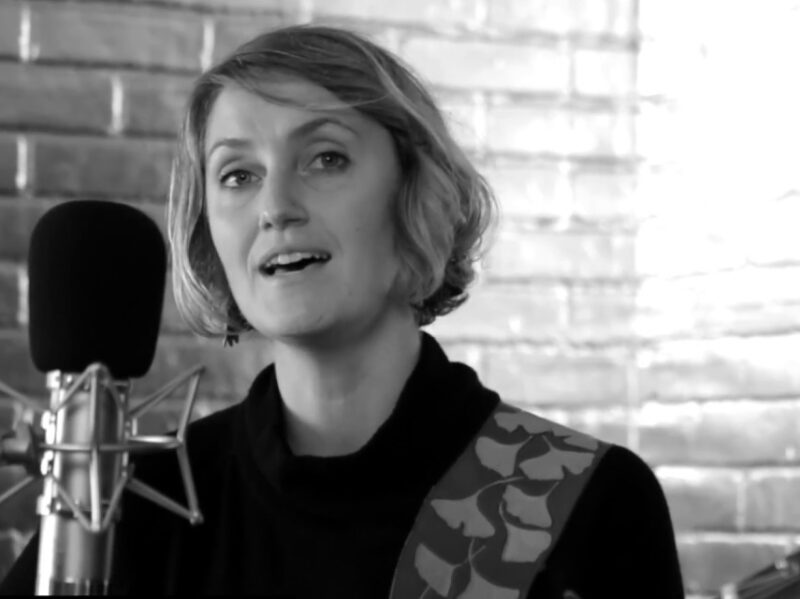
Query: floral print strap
x,y
486,528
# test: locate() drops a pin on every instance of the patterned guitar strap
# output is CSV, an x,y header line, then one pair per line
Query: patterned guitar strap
x,y
486,528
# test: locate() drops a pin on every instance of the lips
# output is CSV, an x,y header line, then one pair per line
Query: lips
x,y
291,261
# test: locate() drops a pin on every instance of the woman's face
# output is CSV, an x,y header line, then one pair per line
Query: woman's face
x,y
299,205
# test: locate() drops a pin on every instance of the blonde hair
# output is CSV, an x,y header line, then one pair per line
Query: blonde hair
x,y
444,206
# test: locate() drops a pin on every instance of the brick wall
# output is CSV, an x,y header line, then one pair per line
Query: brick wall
x,y
719,297
644,284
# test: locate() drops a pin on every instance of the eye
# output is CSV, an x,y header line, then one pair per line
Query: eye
x,y
329,161
237,178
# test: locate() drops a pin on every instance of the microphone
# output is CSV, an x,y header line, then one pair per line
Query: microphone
x,y
96,275
97,272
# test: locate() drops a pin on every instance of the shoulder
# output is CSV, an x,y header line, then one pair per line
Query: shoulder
x,y
621,495
623,472
619,538
618,467
624,501
625,493
621,462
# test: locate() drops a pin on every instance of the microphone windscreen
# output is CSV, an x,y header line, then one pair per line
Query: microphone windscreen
x,y
96,276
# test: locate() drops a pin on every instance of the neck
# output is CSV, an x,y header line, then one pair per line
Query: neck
x,y
338,394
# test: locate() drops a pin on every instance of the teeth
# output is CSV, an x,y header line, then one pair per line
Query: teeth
x,y
284,259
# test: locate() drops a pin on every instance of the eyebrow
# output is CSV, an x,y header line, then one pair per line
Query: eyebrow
x,y
300,131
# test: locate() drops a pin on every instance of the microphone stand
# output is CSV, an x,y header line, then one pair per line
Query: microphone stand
x,y
82,452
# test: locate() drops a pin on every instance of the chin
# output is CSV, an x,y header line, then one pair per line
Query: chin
x,y
328,330
295,327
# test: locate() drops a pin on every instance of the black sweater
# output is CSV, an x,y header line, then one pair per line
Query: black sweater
x,y
280,525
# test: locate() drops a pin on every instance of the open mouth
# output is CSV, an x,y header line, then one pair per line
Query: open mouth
x,y
294,262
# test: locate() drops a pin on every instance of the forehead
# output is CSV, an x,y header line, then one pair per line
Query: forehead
x,y
278,107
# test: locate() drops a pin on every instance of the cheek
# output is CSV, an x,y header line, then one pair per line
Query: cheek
x,y
381,231
377,246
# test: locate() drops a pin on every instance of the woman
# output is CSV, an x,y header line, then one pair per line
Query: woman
x,y
320,201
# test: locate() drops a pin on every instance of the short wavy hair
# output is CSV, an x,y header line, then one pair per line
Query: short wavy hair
x,y
444,207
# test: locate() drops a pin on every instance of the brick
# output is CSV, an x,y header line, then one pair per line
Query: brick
x,y
528,377
606,17
106,167
489,65
452,13
702,498
171,321
526,15
608,423
9,28
718,368
8,163
660,189
529,190
17,219
18,370
163,419
707,564
670,68
601,193
762,235
154,104
222,5
601,314
9,295
54,98
660,133
229,371
765,320
771,232
157,212
230,31
599,133
467,353
748,301
771,500
504,312
603,17
383,33
10,410
607,73
657,20
18,512
731,432
463,116
527,129
702,249
548,254
116,34
23,311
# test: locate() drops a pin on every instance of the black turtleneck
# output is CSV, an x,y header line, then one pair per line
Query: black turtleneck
x,y
281,525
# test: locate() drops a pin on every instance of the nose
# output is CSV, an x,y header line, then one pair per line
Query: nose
x,y
281,203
